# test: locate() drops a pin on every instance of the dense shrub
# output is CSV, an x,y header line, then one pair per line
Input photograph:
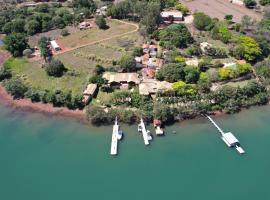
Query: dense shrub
x,y
175,35
15,87
202,21
55,68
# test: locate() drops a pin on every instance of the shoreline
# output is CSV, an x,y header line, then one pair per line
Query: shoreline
x,y
27,105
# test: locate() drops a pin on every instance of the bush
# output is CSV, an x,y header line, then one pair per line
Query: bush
x,y
202,21
250,3
182,8
27,53
264,2
128,63
183,89
15,87
263,69
216,52
97,79
64,32
55,68
225,73
4,74
101,22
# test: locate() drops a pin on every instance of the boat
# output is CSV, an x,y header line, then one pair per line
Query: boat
x,y
159,131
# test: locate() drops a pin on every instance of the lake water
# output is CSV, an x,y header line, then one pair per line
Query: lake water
x,y
46,158
1,42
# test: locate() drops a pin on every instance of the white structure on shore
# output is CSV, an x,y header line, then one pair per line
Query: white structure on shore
x,y
116,135
228,138
145,133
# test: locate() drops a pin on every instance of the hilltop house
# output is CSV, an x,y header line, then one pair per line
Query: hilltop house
x,y
122,80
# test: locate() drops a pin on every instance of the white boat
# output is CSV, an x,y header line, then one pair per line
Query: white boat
x,y
159,131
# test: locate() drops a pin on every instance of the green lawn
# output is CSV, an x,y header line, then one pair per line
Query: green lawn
x,y
34,75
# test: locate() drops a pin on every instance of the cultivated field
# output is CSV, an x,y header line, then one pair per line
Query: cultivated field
x,y
220,8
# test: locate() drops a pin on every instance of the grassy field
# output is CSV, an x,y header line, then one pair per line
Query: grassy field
x,y
94,34
79,62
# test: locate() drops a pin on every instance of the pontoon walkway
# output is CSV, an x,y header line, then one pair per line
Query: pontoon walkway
x,y
115,137
145,133
229,139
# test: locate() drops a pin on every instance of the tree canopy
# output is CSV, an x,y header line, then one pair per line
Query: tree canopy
x,y
175,35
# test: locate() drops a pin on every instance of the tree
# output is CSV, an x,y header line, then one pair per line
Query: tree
x,y
55,68
228,17
204,82
43,44
89,4
151,17
171,72
137,51
97,79
32,27
127,63
191,74
202,21
252,50
175,35
225,73
221,32
264,2
101,22
15,87
183,89
250,3
182,8
15,43
247,22
263,69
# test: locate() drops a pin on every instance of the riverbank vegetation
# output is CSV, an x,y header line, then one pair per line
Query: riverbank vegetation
x,y
211,65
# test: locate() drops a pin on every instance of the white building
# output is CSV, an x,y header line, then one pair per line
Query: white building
x,y
172,16
55,46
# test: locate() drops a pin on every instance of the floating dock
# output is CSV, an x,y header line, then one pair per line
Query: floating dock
x,y
145,133
229,139
116,135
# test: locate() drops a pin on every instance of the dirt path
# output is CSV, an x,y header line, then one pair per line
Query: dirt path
x,y
105,39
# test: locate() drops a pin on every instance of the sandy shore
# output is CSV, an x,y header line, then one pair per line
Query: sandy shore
x,y
48,109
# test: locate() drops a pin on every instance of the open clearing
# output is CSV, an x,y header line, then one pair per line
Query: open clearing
x,y
80,62
220,8
93,35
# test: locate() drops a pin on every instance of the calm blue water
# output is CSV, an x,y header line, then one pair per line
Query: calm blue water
x,y
47,158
